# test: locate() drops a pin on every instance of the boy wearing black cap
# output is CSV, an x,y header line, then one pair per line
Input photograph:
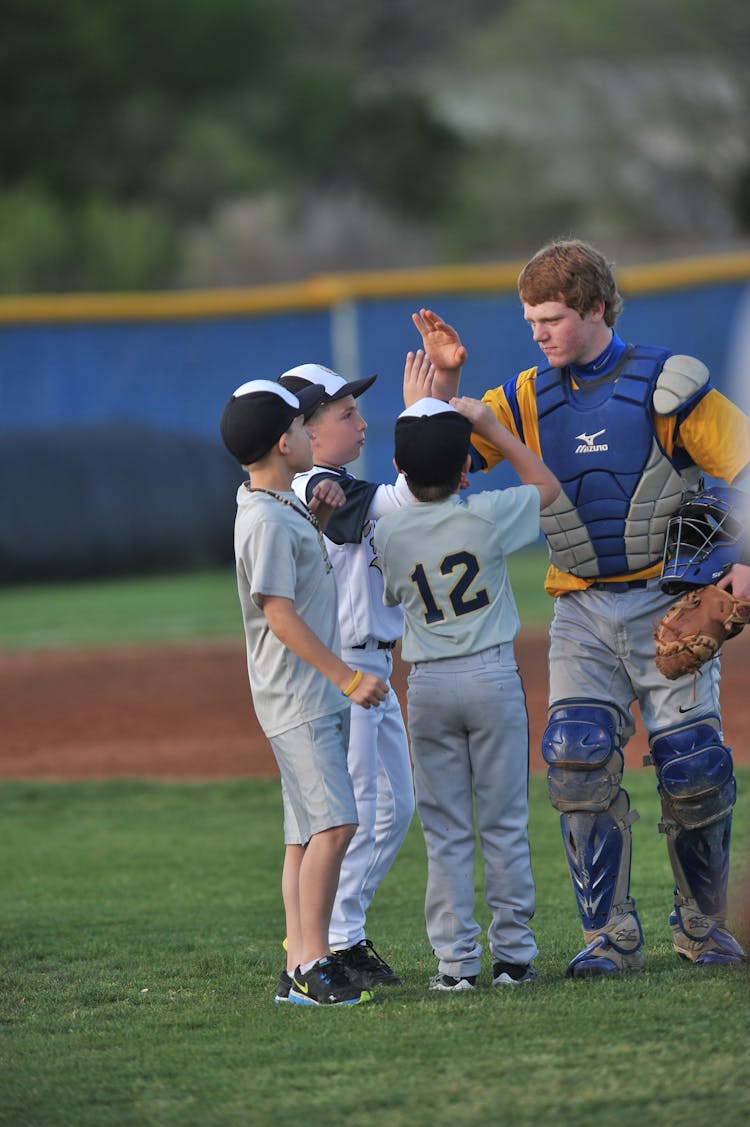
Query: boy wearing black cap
x,y
300,686
378,760
444,561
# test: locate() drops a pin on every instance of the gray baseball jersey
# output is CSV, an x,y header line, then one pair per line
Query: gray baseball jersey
x,y
444,562
279,552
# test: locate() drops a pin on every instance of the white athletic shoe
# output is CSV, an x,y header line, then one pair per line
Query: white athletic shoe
x,y
447,982
513,974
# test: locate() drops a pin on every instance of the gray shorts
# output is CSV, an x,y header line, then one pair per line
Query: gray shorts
x,y
315,783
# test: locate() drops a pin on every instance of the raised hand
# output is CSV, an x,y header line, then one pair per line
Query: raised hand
x,y
419,374
441,341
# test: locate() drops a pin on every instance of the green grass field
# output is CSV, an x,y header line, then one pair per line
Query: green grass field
x,y
141,930
174,608
140,943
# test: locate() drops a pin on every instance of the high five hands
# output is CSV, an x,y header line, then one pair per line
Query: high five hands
x,y
419,374
441,341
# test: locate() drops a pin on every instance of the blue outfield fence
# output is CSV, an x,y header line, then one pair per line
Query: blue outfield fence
x,y
88,370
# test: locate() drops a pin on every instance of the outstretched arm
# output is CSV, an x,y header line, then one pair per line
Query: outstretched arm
x,y
445,350
530,469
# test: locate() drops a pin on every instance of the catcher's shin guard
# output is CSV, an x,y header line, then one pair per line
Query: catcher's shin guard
x,y
598,849
581,746
697,789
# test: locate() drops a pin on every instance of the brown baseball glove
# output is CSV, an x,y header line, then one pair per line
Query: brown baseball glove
x,y
694,628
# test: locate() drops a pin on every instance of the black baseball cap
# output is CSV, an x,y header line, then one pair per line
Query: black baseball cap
x,y
259,412
431,441
335,386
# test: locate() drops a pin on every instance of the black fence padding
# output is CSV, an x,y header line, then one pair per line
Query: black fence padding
x,y
113,499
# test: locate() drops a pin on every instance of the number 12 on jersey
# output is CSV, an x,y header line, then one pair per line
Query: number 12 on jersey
x,y
468,565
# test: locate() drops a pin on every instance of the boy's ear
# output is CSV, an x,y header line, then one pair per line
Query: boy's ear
x,y
467,463
396,465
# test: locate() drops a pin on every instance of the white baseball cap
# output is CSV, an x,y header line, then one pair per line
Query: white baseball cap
x,y
335,386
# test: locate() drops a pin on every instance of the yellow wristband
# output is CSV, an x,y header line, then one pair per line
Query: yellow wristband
x,y
353,683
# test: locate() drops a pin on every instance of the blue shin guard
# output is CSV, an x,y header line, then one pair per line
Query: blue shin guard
x,y
581,745
697,790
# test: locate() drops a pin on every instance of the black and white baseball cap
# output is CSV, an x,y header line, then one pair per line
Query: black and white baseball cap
x,y
336,387
259,412
431,441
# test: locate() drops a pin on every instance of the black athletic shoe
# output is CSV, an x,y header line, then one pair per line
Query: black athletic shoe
x,y
285,985
365,966
326,984
513,974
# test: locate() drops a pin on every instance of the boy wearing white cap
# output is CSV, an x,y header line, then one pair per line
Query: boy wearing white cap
x,y
444,561
301,688
378,747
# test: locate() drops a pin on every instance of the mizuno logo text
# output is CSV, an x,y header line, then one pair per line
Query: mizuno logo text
x,y
589,445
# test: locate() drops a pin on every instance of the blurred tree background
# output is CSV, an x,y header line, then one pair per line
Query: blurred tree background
x,y
158,144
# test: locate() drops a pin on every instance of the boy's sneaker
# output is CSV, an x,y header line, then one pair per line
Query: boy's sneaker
x,y
285,985
448,982
513,974
365,966
326,984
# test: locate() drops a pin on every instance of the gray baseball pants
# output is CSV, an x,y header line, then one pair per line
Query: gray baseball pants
x,y
469,739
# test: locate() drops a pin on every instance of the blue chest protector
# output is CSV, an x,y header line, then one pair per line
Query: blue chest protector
x,y
598,441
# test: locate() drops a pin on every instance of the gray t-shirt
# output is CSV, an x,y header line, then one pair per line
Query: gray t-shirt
x,y
278,552
444,561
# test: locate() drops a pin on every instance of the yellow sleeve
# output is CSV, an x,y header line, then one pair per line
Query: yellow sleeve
x,y
498,402
716,435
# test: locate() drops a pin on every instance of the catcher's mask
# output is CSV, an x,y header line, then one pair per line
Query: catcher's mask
x,y
704,538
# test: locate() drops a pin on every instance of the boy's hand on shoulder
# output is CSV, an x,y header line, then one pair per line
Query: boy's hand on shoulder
x,y
441,341
327,496
419,374
370,692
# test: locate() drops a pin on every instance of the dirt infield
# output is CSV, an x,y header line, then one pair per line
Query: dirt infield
x,y
184,712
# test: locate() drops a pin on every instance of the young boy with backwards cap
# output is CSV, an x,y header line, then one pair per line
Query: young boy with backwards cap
x,y
301,688
444,561
378,747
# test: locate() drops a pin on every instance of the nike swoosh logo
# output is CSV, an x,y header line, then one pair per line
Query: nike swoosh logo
x,y
692,706
301,986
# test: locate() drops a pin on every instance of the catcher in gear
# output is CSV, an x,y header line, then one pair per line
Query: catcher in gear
x,y
628,430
